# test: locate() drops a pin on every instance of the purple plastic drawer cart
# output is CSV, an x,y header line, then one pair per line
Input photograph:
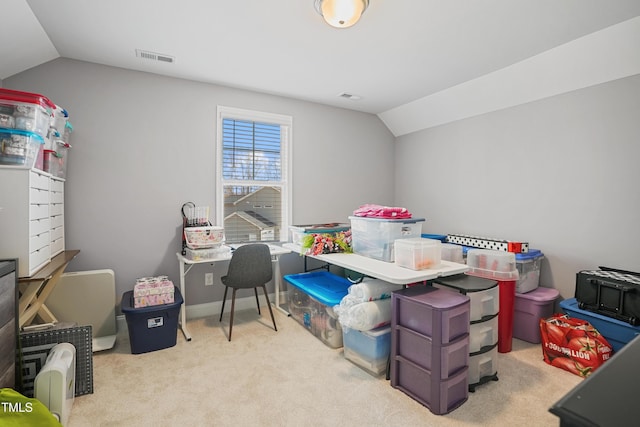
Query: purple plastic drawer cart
x,y
430,346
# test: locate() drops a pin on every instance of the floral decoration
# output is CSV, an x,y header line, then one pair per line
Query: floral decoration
x,y
326,243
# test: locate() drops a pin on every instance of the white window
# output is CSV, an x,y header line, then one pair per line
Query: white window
x,y
253,192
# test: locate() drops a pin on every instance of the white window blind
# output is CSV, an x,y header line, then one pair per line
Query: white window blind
x,y
253,195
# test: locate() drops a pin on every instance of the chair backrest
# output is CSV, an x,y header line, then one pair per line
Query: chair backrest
x,y
250,266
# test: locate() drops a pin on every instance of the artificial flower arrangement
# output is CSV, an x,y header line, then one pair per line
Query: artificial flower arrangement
x,y
326,243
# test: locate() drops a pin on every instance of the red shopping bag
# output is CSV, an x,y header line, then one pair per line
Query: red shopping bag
x,y
573,344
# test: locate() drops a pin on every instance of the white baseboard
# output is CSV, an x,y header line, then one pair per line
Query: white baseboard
x,y
197,311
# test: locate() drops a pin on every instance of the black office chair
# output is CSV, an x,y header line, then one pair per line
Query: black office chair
x,y
250,267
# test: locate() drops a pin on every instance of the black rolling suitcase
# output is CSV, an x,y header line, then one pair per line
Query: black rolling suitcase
x,y
610,292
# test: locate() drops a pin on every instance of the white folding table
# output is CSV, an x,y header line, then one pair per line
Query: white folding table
x,y
387,271
187,264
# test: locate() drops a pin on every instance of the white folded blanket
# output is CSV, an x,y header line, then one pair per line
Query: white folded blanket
x,y
372,289
365,316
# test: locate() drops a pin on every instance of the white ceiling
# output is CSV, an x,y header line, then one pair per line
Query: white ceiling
x,y
400,51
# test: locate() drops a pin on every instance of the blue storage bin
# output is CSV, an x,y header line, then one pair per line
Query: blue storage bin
x,y
325,287
617,332
312,297
154,327
368,349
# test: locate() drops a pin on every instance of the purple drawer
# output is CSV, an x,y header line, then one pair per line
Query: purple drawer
x,y
442,360
440,314
440,396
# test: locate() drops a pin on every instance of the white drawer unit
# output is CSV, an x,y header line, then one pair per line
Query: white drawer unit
x,y
483,329
31,217
56,213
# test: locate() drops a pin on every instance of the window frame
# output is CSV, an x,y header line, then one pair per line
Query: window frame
x,y
286,130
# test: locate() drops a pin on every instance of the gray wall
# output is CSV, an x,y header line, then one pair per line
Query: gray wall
x,y
145,144
561,173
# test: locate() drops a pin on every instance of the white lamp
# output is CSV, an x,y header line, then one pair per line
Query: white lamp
x,y
341,13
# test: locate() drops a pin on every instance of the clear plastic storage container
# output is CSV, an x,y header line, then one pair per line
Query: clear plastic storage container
x,y
375,237
418,253
20,148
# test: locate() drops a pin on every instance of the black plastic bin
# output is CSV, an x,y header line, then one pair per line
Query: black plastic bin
x,y
151,328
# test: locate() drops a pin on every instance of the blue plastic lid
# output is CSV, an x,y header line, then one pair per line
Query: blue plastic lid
x,y
327,288
525,256
33,135
441,237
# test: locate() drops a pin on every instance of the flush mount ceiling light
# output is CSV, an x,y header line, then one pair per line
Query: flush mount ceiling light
x,y
341,13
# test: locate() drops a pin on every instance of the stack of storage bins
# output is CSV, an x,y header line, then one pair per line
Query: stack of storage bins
x,y
500,266
34,132
375,237
365,314
532,301
430,346
312,297
24,125
483,331
57,149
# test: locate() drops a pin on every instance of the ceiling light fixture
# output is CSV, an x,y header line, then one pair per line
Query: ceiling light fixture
x,y
341,13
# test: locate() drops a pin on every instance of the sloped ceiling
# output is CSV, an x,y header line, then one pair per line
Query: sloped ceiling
x,y
402,59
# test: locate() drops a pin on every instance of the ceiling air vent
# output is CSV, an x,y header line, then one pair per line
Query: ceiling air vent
x,y
154,56
350,96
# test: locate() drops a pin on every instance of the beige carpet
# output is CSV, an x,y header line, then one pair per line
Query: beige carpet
x,y
290,378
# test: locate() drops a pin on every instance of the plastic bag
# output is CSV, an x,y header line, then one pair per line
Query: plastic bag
x,y
573,345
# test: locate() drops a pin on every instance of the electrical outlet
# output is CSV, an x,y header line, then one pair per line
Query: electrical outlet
x,y
208,279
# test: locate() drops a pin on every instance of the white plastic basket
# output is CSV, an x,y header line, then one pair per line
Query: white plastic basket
x,y
203,237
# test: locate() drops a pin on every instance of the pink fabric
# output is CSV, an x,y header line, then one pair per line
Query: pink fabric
x,y
378,211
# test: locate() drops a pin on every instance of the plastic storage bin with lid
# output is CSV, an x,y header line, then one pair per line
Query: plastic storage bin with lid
x,y
617,332
53,163
453,253
528,265
418,253
21,148
203,237
529,308
500,266
298,232
375,237
26,111
151,328
368,349
312,297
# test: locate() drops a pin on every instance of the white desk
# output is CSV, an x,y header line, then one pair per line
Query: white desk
x,y
387,271
187,264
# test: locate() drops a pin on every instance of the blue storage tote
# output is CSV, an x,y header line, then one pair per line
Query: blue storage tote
x,y
312,297
617,332
368,349
154,327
